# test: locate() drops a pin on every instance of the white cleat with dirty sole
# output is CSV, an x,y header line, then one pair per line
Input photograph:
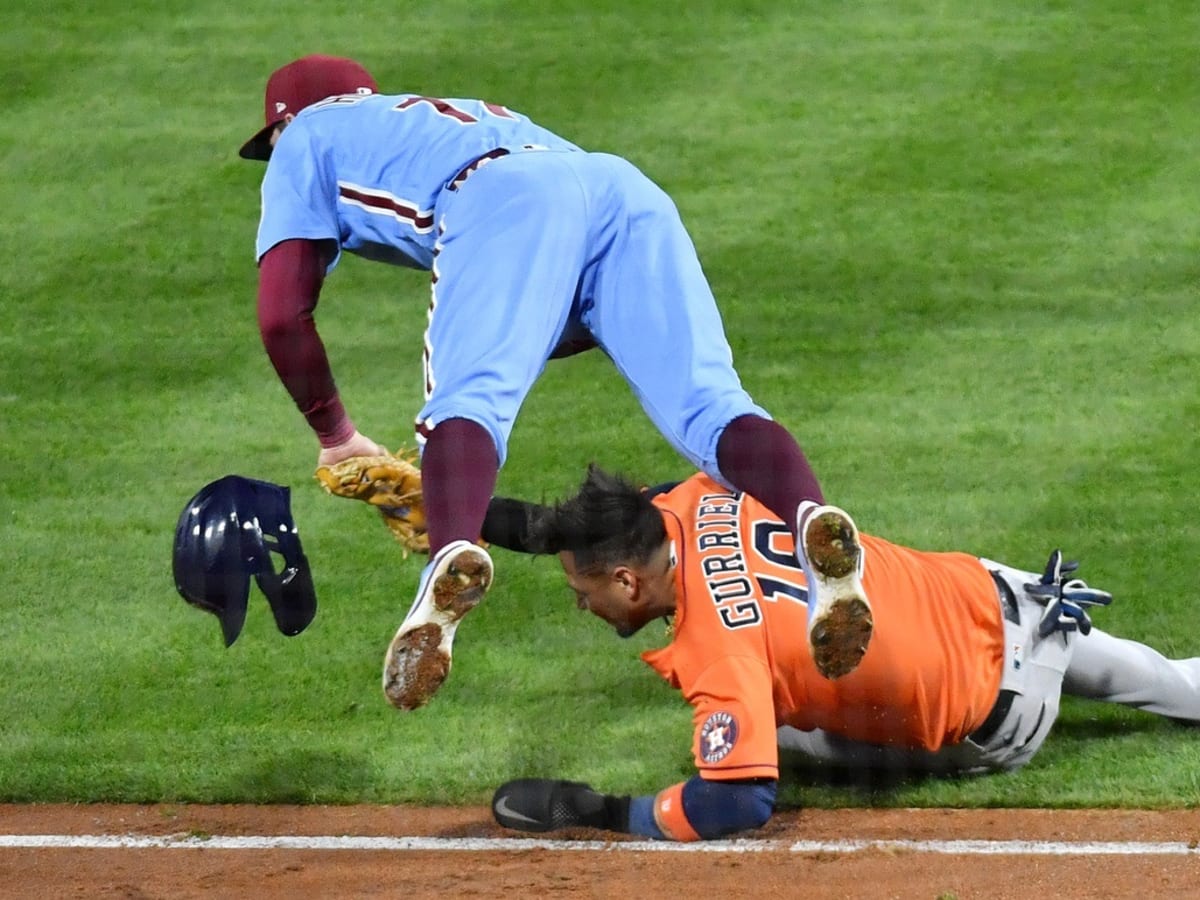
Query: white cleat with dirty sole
x,y
418,659
839,615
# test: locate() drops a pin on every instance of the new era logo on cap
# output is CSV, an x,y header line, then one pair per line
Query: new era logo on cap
x,y
301,83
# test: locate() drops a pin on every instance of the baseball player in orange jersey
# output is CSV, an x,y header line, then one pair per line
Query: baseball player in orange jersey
x,y
963,674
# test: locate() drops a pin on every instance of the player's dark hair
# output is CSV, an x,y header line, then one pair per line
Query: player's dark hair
x,y
607,522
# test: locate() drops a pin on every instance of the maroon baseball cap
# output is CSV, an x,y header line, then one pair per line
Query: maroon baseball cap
x,y
302,83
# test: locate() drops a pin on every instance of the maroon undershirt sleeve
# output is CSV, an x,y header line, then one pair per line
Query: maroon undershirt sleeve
x,y
290,275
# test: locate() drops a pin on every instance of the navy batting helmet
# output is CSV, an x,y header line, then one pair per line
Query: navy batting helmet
x,y
228,532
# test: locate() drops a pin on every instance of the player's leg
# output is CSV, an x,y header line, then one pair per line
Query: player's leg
x,y
648,304
459,465
824,751
1117,670
511,244
1032,672
505,269
762,458
649,292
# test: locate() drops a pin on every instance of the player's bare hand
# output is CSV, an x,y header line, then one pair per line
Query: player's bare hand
x,y
357,445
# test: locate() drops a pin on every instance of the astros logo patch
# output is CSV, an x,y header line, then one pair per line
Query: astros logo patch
x,y
718,734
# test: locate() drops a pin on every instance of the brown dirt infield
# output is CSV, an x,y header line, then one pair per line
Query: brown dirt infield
x,y
870,873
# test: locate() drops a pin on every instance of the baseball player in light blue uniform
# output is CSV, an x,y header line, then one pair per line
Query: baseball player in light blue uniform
x,y
529,246
536,249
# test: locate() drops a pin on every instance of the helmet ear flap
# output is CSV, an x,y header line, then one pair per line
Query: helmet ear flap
x,y
226,533
293,598
289,589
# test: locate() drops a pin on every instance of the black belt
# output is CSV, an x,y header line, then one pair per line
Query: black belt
x,y
473,165
996,717
1004,702
1008,600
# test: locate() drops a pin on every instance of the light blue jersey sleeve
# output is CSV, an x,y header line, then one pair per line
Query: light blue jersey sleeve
x,y
299,194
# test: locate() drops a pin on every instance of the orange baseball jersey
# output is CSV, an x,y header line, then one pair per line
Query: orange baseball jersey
x,y
740,654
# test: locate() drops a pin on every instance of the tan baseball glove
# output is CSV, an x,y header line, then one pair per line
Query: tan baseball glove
x,y
391,483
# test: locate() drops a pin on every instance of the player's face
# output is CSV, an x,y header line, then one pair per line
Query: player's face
x,y
611,596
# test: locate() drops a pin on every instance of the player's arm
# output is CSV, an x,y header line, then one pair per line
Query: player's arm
x,y
692,810
506,523
290,276
697,809
735,749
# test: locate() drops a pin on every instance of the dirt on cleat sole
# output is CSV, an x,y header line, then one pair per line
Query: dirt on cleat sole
x,y
416,667
840,638
830,546
462,587
418,660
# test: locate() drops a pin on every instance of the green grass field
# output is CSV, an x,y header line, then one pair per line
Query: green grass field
x,y
955,246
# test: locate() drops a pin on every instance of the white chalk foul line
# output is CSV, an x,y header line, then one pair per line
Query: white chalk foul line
x,y
396,844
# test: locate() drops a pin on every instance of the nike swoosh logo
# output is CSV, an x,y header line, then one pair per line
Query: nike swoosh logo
x,y
502,808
